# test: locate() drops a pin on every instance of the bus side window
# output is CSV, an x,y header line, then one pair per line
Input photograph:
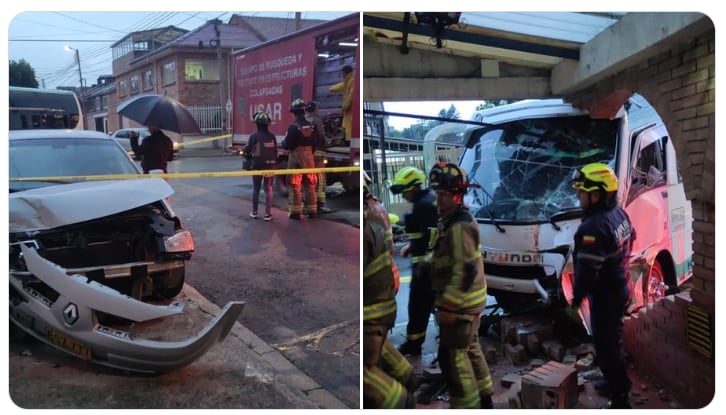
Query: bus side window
x,y
649,170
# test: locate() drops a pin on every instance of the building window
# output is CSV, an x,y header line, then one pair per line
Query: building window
x,y
134,84
168,74
97,103
122,88
104,102
148,81
197,70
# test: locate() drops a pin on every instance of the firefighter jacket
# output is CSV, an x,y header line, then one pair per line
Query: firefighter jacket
x,y
457,270
602,249
423,216
300,133
347,87
262,147
379,296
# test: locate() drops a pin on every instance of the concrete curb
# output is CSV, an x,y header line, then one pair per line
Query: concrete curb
x,y
293,376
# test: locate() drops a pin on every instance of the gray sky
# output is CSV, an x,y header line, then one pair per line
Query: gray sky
x,y
40,37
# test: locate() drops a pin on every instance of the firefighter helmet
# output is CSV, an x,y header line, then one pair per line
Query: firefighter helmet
x,y
595,176
311,106
261,118
297,104
449,177
408,178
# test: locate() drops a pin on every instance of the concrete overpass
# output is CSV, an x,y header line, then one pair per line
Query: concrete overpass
x,y
595,61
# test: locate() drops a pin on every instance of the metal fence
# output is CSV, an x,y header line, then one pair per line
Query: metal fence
x,y
208,117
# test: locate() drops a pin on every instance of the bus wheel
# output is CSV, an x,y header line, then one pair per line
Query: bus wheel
x,y
654,287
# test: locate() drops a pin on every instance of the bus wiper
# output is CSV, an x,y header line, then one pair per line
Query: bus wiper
x,y
475,185
569,213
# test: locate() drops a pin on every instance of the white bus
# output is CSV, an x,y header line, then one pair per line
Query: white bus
x,y
522,162
32,108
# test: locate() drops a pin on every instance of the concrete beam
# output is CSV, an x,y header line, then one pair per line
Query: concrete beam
x,y
427,89
386,60
633,39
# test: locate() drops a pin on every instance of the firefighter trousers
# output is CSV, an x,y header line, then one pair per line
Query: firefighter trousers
x,y
462,362
380,389
607,337
299,184
321,187
420,302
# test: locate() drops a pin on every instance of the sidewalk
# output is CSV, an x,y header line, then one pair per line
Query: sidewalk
x,y
240,372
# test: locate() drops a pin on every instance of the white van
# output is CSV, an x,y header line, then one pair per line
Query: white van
x,y
521,165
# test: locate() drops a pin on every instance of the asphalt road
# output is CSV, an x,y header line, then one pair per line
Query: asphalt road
x,y
300,279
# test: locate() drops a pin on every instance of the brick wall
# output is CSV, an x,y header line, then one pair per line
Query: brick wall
x,y
681,85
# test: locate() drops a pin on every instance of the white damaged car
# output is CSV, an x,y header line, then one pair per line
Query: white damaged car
x,y
86,253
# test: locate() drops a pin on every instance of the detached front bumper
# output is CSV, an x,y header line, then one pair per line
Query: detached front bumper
x,y
69,322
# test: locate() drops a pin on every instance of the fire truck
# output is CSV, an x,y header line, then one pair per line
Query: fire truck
x,y
303,64
520,159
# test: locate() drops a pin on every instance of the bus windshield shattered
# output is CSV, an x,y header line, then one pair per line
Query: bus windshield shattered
x,y
521,170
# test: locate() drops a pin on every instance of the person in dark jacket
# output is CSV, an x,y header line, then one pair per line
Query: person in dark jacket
x,y
311,114
602,248
262,149
300,138
423,218
156,150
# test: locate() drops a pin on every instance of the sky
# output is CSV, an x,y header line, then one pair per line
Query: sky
x,y
40,38
429,108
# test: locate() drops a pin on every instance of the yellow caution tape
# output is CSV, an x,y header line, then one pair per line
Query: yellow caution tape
x,y
192,175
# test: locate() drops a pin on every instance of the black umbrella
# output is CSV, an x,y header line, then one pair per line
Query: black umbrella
x,y
161,112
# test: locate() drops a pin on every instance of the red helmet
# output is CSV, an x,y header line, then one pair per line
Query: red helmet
x,y
449,177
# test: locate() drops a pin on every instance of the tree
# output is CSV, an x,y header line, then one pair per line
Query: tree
x,y
491,104
22,74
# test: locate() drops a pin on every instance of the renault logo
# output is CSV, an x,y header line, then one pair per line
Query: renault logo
x,y
70,314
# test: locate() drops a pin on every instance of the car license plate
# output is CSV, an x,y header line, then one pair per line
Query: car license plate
x,y
67,343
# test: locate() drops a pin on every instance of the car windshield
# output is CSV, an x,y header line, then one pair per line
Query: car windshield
x,y
45,157
522,169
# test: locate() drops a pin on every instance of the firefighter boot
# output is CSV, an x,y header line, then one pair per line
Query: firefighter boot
x,y
411,347
323,209
486,401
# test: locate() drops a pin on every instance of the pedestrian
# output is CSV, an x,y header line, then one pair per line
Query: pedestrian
x,y
347,88
311,114
418,224
156,150
381,390
262,149
459,284
134,143
602,247
300,139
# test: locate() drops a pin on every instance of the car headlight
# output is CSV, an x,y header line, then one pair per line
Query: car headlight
x,y
176,145
179,242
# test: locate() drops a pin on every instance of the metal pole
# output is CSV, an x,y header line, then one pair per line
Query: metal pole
x,y
80,91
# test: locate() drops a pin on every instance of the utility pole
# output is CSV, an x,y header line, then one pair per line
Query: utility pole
x,y
298,21
222,110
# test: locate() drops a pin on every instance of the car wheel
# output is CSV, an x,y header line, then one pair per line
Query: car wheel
x,y
169,284
654,286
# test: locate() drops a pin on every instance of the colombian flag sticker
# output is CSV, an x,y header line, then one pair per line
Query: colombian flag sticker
x,y
588,240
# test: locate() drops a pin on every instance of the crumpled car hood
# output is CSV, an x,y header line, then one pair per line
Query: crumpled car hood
x,y
54,206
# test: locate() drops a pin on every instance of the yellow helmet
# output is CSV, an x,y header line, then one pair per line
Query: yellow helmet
x,y
408,178
595,176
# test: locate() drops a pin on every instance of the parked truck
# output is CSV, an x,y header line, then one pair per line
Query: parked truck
x,y
304,64
520,160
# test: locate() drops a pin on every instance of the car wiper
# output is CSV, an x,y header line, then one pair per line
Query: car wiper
x,y
569,213
489,211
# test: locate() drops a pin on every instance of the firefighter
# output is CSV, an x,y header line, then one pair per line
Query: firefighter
x,y
311,114
423,217
381,389
602,247
347,87
457,275
300,139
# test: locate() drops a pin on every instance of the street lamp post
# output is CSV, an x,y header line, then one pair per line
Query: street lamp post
x,y
80,80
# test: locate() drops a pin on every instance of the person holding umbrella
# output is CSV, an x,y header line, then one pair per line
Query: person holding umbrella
x,y
156,150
